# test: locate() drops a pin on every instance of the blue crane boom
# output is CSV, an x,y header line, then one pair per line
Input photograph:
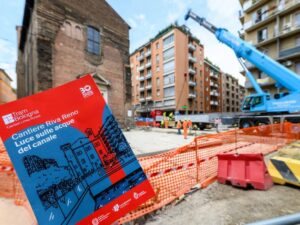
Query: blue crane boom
x,y
261,102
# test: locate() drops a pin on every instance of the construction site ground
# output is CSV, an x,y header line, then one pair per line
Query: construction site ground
x,y
223,204
217,204
145,141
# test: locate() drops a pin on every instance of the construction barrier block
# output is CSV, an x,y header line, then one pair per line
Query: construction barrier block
x,y
284,170
243,170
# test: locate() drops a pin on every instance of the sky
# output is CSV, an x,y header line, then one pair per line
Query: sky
x,y
146,18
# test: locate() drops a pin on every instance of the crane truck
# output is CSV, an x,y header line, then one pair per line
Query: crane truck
x,y
261,107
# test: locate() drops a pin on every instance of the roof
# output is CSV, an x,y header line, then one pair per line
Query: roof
x,y
184,29
207,61
5,74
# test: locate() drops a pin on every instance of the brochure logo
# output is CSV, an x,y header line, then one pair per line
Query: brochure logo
x,y
116,208
86,91
95,221
8,119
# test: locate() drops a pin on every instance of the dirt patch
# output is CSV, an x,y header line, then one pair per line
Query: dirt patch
x,y
224,204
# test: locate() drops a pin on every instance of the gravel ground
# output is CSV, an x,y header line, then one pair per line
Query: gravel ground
x,y
223,205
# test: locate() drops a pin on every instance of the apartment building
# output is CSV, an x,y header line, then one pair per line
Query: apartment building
x,y
167,73
7,93
212,87
273,26
232,93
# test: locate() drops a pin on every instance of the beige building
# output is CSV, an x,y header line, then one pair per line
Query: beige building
x,y
232,93
212,87
273,26
167,73
7,93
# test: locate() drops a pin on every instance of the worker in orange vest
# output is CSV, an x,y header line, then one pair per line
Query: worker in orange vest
x,y
178,127
190,125
185,129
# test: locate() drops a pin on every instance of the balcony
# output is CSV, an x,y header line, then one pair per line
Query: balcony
x,y
289,52
141,57
192,47
142,99
192,83
267,81
289,6
149,87
241,16
214,103
261,20
192,59
148,98
142,88
148,64
213,84
140,68
192,95
141,78
148,53
213,75
250,5
148,76
214,93
192,71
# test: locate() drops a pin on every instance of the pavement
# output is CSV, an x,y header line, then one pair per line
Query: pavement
x,y
146,141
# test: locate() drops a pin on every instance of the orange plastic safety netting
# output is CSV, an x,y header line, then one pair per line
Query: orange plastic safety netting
x,y
176,172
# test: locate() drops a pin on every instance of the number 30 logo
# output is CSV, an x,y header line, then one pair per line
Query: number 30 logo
x,y
86,91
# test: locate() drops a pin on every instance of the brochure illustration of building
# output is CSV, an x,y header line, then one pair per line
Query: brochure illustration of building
x,y
71,157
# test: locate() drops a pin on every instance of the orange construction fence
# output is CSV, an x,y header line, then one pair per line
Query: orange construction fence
x,y
176,172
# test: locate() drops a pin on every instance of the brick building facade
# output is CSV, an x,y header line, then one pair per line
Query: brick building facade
x,y
7,93
60,40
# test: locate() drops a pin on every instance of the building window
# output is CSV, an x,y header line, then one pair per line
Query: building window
x,y
78,33
157,45
169,66
93,41
262,35
157,92
170,79
297,19
157,59
298,68
169,40
157,68
169,92
68,28
157,82
169,53
298,41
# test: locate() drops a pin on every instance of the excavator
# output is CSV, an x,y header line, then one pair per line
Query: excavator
x,y
260,108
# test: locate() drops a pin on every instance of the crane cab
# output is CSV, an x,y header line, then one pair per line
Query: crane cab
x,y
255,103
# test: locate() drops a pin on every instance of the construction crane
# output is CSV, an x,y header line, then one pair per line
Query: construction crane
x,y
261,107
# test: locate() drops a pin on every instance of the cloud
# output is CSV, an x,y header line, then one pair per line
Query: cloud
x,y
177,9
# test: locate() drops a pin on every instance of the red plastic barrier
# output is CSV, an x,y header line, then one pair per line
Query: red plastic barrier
x,y
243,170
